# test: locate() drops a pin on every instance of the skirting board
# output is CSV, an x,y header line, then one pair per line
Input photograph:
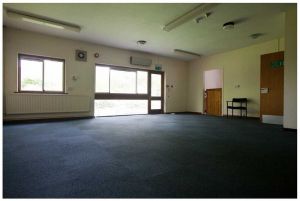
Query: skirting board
x,y
184,113
43,120
66,118
272,119
290,129
243,117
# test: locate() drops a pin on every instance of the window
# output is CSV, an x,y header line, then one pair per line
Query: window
x,y
142,80
120,107
156,85
121,81
40,74
155,104
102,79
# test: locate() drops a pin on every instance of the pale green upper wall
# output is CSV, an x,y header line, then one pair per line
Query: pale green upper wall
x,y
240,67
290,69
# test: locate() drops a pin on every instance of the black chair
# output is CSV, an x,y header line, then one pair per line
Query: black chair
x,y
242,105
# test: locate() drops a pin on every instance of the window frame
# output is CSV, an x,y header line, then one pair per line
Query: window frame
x,y
40,58
121,68
120,96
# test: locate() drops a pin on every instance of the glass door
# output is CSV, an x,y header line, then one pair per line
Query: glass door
x,y
125,91
156,103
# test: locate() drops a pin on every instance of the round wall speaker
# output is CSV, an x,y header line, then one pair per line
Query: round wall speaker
x,y
96,55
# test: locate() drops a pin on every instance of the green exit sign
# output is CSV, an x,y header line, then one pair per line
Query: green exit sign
x,y
158,67
277,64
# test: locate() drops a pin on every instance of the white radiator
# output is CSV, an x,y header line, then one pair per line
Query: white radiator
x,y
45,103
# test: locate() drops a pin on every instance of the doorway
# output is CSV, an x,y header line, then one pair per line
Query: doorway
x,y
271,88
213,84
156,92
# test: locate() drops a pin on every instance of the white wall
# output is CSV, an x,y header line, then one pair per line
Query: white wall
x,y
18,41
240,67
213,79
290,69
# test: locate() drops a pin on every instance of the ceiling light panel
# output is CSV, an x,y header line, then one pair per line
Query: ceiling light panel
x,y
41,21
187,52
202,9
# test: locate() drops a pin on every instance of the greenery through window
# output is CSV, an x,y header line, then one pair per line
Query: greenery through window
x,y
127,81
40,74
120,107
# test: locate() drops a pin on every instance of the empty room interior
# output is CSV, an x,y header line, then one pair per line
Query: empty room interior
x,y
149,100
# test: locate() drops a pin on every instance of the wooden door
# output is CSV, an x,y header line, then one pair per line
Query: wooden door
x,y
271,84
214,102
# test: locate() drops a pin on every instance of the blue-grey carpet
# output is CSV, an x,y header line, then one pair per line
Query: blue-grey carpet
x,y
149,156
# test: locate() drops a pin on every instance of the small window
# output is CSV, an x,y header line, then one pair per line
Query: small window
x,y
156,85
155,104
40,74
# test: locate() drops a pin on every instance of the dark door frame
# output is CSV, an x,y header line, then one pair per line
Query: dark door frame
x,y
161,98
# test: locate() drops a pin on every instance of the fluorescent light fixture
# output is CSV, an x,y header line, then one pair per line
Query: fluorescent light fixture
x,y
41,21
187,52
199,10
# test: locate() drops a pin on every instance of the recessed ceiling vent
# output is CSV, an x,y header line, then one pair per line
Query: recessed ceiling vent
x,y
228,26
141,42
140,61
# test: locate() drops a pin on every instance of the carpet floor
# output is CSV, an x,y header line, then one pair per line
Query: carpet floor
x,y
149,156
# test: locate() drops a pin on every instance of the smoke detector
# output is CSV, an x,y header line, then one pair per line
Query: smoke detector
x,y
255,35
141,42
228,26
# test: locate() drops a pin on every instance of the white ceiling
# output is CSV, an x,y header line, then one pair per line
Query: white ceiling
x,y
121,25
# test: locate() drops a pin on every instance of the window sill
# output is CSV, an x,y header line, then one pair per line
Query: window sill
x,y
41,93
